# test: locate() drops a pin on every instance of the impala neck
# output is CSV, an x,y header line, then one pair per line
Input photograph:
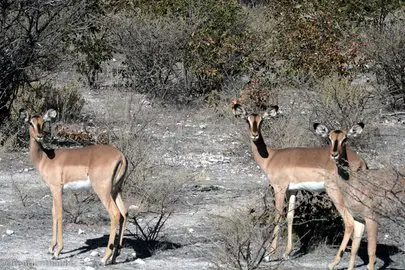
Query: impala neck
x,y
342,165
260,150
37,152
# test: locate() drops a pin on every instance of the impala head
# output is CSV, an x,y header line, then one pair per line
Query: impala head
x,y
254,120
36,122
338,138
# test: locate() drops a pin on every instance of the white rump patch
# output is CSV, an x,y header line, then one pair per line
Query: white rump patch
x,y
78,184
310,186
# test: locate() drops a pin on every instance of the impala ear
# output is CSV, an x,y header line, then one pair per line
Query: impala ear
x,y
239,111
355,130
49,115
24,115
272,112
321,130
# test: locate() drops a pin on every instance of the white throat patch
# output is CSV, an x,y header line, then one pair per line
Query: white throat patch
x,y
310,186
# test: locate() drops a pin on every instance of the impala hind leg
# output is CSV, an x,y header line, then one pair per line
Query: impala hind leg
x,y
122,224
290,219
114,214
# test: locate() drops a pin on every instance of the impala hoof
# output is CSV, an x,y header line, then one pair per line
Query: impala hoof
x,y
286,256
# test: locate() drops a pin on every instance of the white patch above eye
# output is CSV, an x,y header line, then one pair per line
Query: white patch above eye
x,y
310,186
78,184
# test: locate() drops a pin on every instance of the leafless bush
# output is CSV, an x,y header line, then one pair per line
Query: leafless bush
x,y
291,122
36,98
341,104
153,197
244,237
157,199
21,194
379,194
316,220
77,204
154,56
385,48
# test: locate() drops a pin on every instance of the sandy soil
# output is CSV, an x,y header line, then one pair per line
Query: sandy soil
x,y
212,151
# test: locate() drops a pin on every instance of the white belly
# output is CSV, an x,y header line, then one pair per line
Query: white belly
x,y
78,184
310,186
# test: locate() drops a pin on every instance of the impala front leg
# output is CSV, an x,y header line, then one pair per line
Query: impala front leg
x,y
337,198
358,233
279,194
57,225
372,230
54,227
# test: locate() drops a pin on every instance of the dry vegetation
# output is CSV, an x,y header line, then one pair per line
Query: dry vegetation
x,y
333,62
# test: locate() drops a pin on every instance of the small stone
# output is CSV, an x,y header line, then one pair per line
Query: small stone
x,y
190,230
94,253
87,259
80,232
139,261
9,232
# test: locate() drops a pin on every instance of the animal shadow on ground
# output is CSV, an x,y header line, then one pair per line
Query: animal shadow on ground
x,y
383,253
143,249
314,232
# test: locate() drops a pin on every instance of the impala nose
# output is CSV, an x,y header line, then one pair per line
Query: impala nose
x,y
40,136
254,137
334,156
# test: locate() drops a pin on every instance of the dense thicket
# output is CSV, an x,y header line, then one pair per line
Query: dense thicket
x,y
181,50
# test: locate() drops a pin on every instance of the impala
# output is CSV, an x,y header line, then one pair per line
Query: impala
x,y
292,169
367,195
101,167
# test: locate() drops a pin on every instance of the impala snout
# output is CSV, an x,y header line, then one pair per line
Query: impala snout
x,y
254,136
40,134
40,137
334,155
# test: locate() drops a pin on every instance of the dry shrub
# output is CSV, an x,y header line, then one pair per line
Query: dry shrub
x,y
152,196
76,205
244,237
154,56
385,49
316,220
381,192
340,104
156,199
37,98
256,97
